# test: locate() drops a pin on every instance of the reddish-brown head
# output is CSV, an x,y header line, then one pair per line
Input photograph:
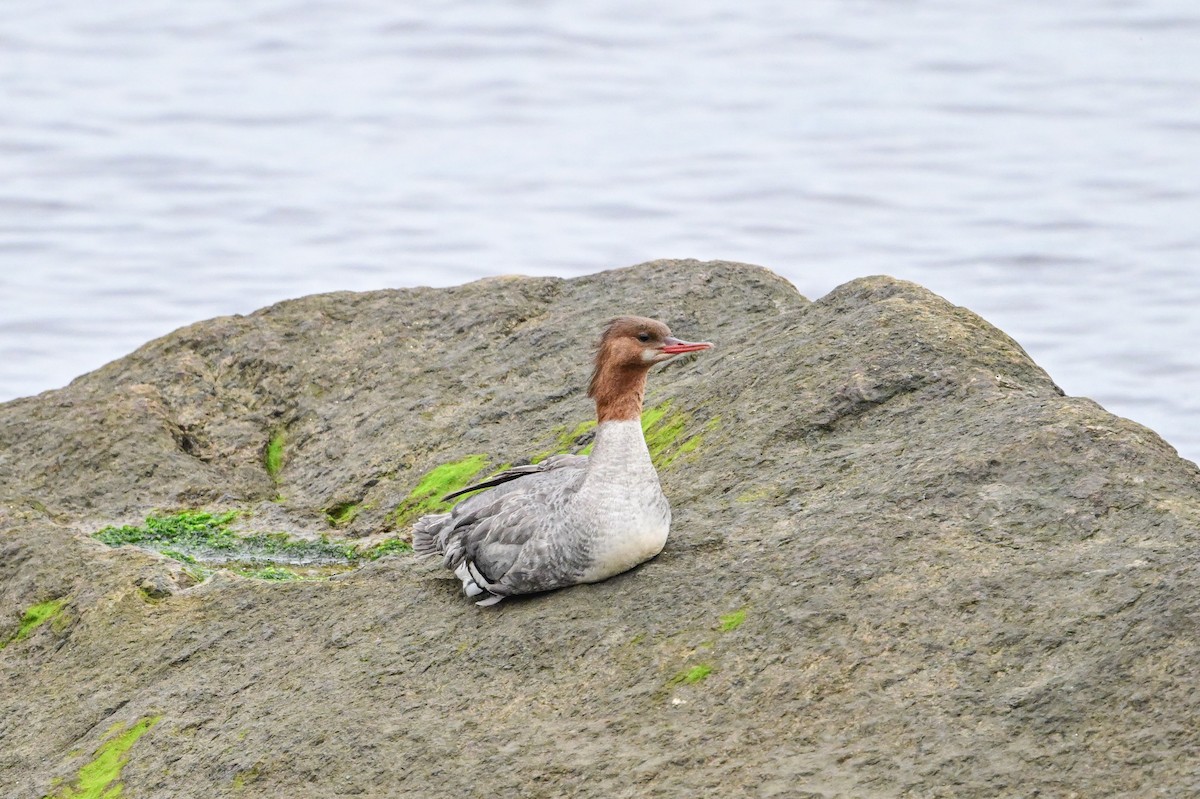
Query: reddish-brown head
x,y
628,348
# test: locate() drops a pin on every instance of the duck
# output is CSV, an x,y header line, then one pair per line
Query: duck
x,y
568,519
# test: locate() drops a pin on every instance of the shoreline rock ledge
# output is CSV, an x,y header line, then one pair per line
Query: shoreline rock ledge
x,y
903,564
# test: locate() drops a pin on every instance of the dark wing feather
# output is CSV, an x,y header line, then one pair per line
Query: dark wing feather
x,y
551,463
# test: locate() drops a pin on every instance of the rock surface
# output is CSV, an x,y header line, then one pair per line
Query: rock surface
x,y
903,564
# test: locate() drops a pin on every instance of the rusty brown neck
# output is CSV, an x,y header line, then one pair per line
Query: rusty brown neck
x,y
618,391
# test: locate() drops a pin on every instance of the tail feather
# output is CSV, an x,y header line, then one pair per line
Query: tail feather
x,y
435,534
429,534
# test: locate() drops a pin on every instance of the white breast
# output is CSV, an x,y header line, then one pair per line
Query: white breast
x,y
622,497
643,540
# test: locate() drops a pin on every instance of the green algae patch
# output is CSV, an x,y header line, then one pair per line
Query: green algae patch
x,y
101,778
343,513
437,483
571,439
391,546
273,455
693,675
667,436
180,532
568,441
35,617
731,621
204,542
207,537
270,573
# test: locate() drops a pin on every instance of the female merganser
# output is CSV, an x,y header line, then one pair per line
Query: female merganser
x,y
568,519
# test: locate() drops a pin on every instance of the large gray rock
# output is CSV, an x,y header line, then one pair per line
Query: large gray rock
x,y
902,563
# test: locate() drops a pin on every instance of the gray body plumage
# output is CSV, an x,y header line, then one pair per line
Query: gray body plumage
x,y
567,520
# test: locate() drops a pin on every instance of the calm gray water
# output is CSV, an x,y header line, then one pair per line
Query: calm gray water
x,y
165,162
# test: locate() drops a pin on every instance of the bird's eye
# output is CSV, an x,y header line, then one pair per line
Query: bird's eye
x,y
643,337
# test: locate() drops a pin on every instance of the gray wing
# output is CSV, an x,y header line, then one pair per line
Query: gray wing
x,y
489,531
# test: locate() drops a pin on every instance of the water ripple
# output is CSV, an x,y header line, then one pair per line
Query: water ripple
x,y
1033,161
